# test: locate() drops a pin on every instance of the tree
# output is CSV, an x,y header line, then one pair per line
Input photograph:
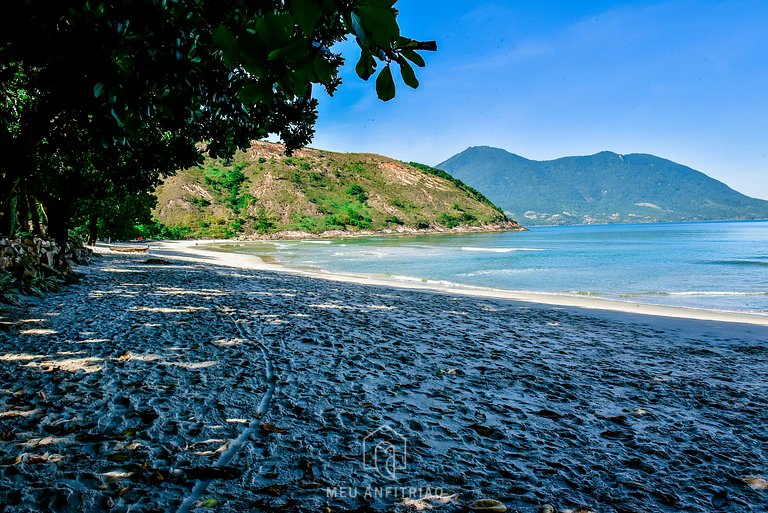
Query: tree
x,y
101,96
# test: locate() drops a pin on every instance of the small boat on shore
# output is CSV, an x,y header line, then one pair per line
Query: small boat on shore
x,y
129,249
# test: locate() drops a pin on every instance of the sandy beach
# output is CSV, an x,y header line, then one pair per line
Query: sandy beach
x,y
218,383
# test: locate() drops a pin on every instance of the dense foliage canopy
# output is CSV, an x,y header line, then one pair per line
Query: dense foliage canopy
x,y
99,99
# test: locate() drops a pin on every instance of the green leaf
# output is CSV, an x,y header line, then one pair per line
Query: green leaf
x,y
252,49
405,42
117,118
305,71
366,66
210,502
254,92
323,69
123,62
380,24
276,29
413,57
409,77
385,86
224,39
98,90
306,13
296,84
255,69
294,51
357,29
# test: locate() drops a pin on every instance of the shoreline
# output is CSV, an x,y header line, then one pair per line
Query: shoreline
x,y
195,251
292,235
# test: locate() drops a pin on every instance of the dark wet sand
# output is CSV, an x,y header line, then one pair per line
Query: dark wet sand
x,y
175,387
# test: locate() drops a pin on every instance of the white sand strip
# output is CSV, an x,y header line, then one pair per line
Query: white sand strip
x,y
197,251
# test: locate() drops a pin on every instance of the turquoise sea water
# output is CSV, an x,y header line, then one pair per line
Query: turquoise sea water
x,y
717,266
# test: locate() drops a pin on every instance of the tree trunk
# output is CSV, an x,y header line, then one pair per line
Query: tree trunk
x,y
43,220
34,216
22,209
8,202
93,228
12,218
58,220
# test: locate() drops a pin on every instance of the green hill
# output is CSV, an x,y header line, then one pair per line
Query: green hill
x,y
601,188
263,193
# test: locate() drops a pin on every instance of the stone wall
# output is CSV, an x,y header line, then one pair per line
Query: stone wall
x,y
28,257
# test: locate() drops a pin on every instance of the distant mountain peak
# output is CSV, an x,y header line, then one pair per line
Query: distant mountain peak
x,y
605,187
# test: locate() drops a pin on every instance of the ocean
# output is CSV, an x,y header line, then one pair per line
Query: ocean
x,y
715,266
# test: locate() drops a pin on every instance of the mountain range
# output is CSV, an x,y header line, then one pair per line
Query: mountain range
x,y
264,193
603,188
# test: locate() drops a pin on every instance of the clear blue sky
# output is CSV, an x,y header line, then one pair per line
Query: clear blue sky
x,y
685,80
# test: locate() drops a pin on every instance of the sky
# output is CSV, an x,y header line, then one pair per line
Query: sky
x,y
685,80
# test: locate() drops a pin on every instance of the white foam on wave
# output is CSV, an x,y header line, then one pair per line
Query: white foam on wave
x,y
362,255
500,272
697,293
414,279
715,293
497,250
374,253
316,241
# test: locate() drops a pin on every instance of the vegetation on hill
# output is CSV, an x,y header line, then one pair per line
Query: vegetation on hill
x,y
601,188
471,191
262,192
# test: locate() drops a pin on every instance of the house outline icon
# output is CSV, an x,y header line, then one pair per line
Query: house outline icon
x,y
385,452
